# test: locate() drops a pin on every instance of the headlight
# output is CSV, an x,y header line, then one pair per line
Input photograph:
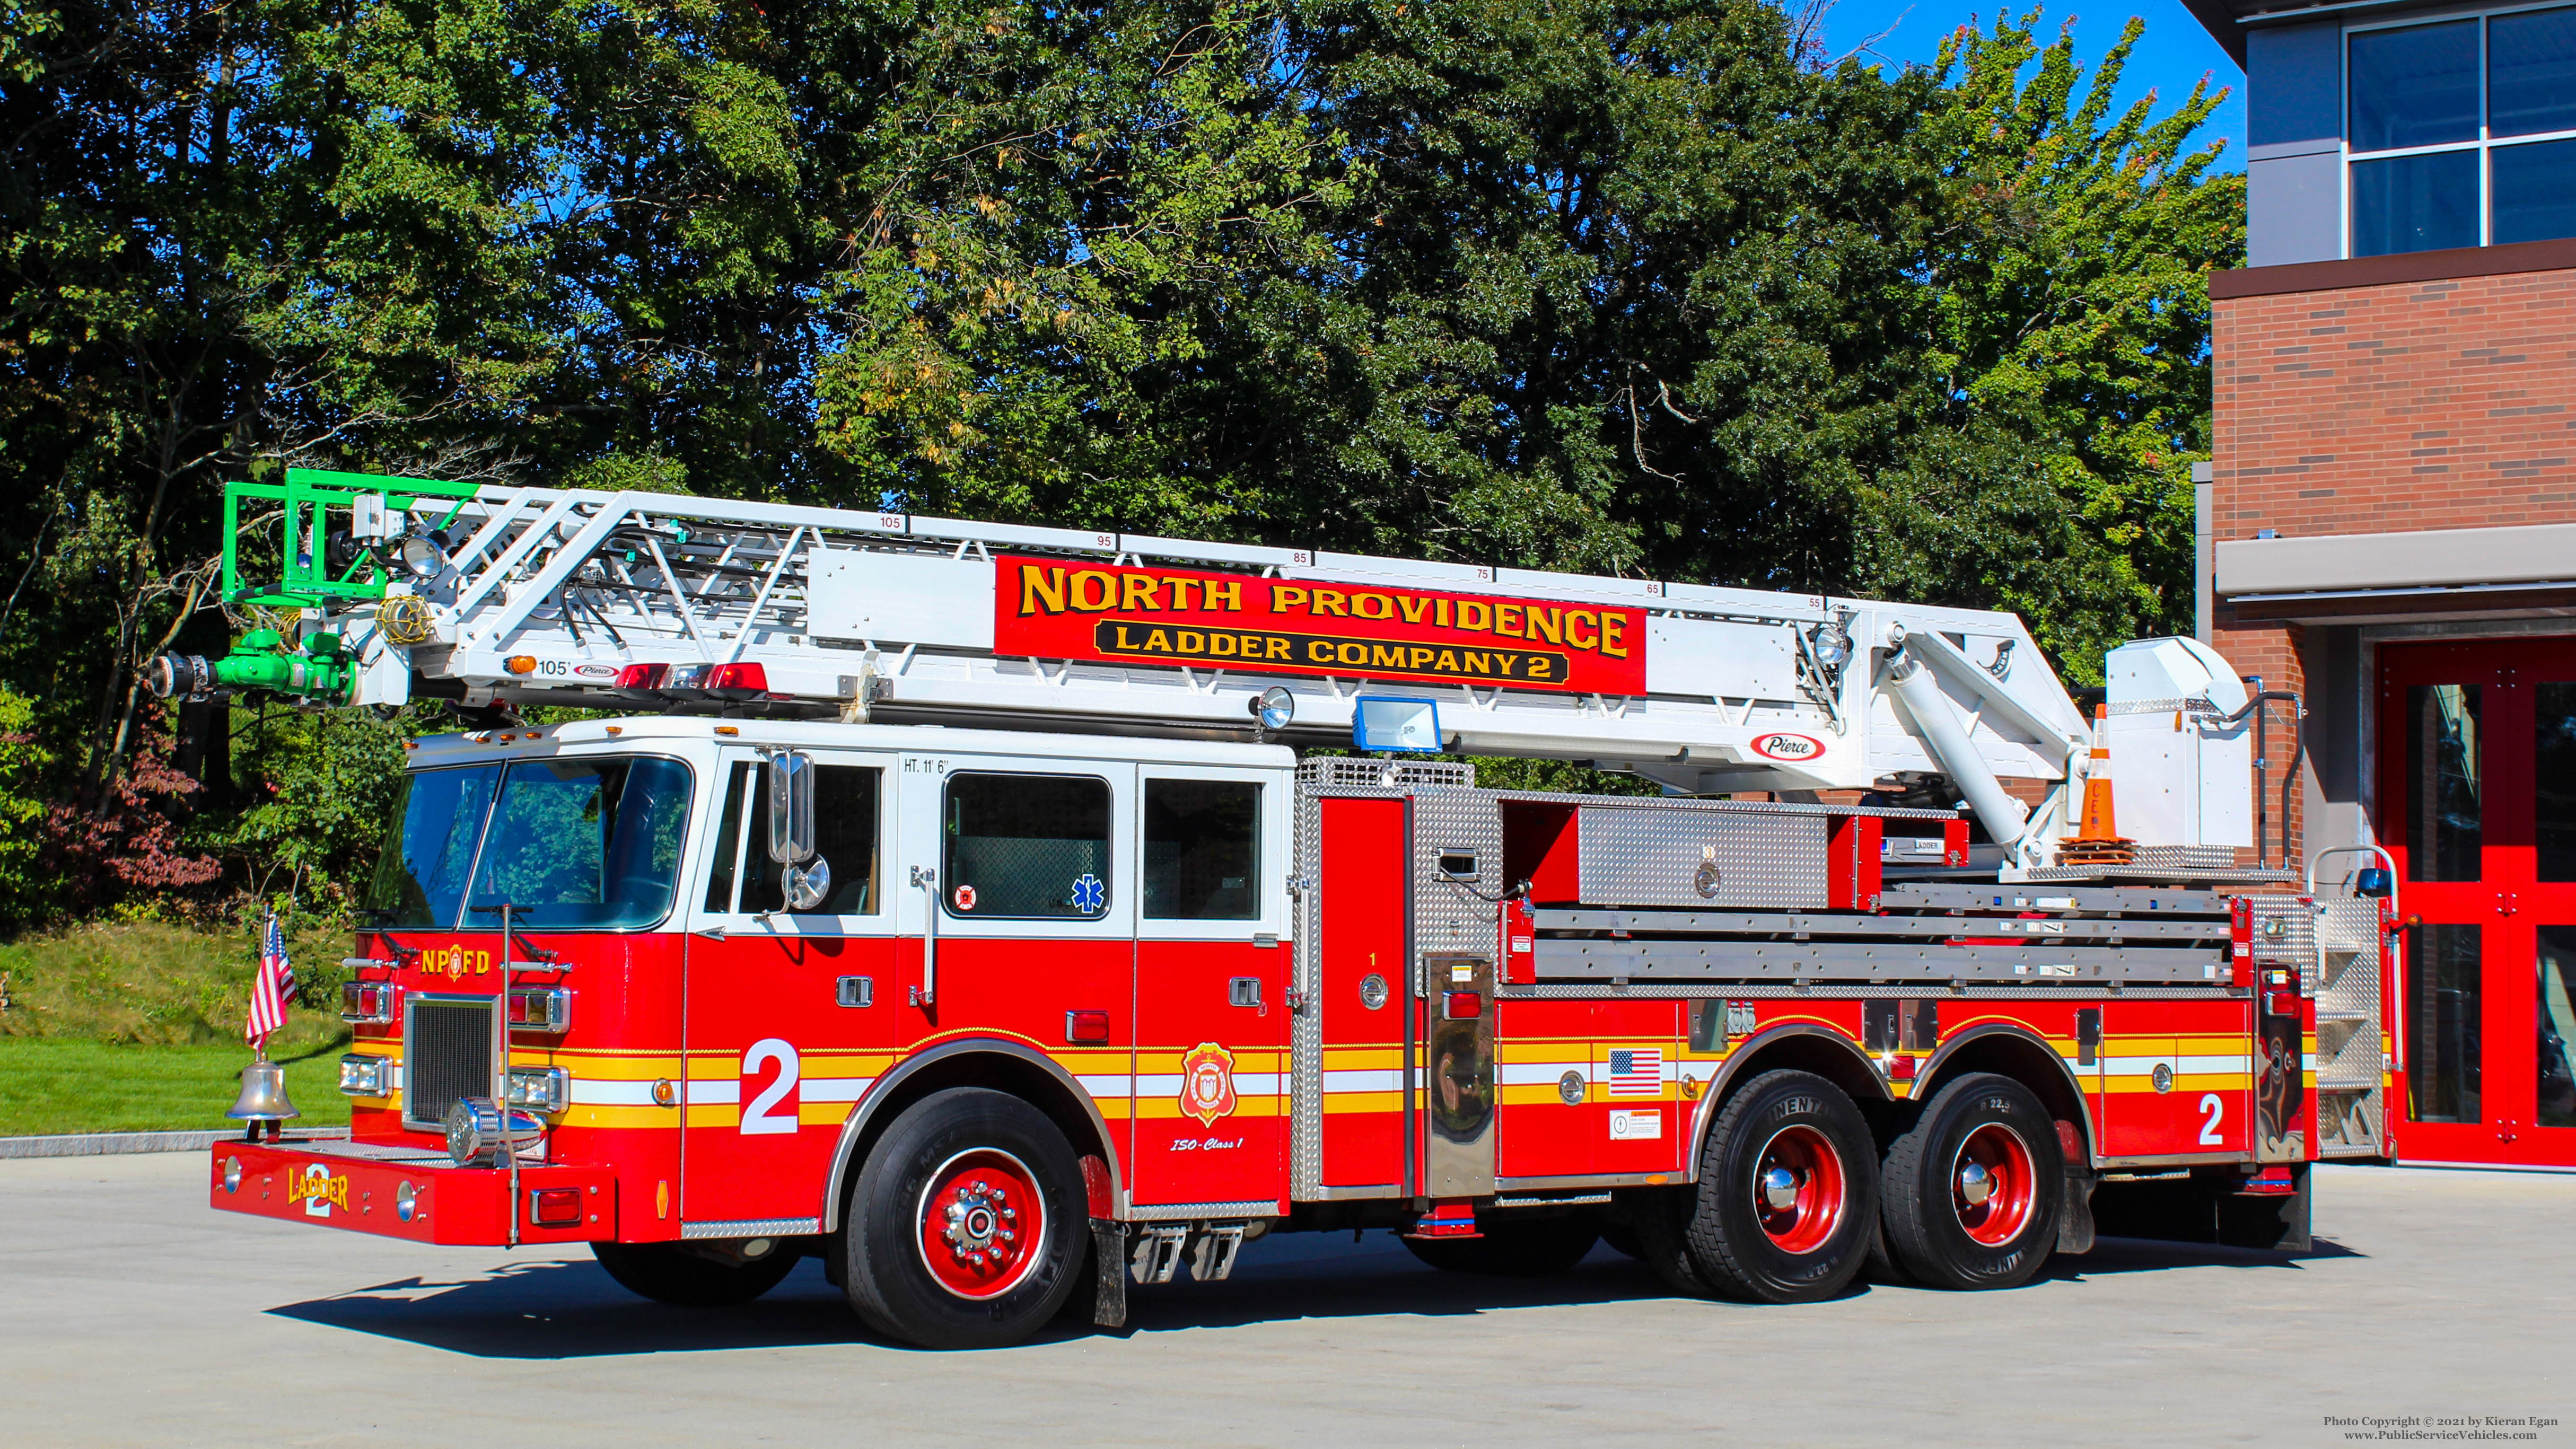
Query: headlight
x,y
366,1076
539,1089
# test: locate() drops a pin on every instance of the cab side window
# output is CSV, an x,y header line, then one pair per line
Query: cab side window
x,y
1202,850
845,835
1026,846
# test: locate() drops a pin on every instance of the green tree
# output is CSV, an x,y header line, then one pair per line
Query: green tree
x,y
2069,346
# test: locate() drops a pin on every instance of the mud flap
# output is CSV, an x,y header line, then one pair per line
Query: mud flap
x,y
2075,1214
2276,1221
1109,1254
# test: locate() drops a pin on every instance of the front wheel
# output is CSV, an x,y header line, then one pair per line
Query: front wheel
x,y
1973,1186
968,1223
692,1277
1787,1201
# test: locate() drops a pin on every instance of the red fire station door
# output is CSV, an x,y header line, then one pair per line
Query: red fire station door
x,y
2477,771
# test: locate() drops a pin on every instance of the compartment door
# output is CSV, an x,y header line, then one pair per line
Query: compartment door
x,y
1364,992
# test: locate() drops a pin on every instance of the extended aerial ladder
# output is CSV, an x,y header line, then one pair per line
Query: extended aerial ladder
x,y
397,588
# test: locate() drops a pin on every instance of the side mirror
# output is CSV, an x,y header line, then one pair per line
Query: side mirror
x,y
2372,883
789,778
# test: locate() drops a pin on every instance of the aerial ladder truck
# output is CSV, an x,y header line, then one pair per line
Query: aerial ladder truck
x,y
1008,915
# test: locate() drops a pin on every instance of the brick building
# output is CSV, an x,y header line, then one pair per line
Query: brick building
x,y
2388,524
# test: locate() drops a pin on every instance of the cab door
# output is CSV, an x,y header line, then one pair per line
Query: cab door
x,y
1017,903
1211,1119
789,1016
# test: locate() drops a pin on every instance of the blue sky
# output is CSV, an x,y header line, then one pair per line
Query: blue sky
x,y
2171,57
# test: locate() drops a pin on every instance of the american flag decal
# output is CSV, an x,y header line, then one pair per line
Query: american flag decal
x,y
1636,1072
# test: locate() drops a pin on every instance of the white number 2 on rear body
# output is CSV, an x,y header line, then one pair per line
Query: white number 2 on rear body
x,y
2209,1103
757,1119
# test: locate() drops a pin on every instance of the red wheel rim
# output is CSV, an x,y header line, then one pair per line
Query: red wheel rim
x,y
1798,1189
1993,1187
982,1223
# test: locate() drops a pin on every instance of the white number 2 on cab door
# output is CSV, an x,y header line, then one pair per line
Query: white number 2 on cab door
x,y
757,1118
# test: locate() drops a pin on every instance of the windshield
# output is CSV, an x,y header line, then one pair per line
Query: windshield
x,y
438,820
570,844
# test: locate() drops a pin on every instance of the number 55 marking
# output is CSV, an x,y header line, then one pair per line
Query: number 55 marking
x,y
756,1118
2210,1104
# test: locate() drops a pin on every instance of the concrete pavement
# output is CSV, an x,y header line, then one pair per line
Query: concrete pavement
x,y
131,1313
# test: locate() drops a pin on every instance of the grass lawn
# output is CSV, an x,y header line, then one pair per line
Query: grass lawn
x,y
57,1084
136,1026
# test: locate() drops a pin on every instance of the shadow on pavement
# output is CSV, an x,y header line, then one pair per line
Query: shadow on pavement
x,y
2149,1255
561,1310
567,1310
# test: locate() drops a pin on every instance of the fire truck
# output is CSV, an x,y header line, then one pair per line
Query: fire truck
x,y
1007,915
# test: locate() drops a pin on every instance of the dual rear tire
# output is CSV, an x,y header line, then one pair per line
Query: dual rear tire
x,y
1794,1197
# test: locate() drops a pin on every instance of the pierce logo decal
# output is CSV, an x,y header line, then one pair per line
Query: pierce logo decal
x,y
1788,747
1207,1083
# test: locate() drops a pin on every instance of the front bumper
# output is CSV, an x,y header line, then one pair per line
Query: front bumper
x,y
399,1191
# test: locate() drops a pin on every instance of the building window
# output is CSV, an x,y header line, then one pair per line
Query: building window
x,y
2461,133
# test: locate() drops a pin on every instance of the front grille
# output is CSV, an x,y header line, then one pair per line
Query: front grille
x,y
447,1054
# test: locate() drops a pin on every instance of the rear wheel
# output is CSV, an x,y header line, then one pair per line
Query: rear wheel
x,y
1508,1249
1659,1226
1973,1186
1788,1193
969,1226
693,1276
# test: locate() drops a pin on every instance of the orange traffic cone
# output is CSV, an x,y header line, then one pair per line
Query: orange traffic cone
x,y
2097,839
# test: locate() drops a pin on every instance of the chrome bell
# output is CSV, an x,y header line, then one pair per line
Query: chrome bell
x,y
263,1095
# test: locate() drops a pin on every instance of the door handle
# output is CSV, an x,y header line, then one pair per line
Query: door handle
x,y
1244,991
928,880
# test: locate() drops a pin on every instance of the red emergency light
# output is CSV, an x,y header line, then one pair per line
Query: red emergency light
x,y
643,676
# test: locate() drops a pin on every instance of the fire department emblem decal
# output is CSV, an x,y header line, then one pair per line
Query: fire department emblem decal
x,y
1207,1082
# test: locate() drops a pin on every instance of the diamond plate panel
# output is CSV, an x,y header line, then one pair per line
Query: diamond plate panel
x,y
1306,1027
1356,772
2350,1065
1660,855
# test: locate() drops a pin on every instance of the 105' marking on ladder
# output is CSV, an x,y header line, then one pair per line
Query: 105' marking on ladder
x,y
756,1118
2209,1126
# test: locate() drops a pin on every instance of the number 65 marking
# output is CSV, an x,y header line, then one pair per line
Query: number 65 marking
x,y
2210,1104
756,1118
